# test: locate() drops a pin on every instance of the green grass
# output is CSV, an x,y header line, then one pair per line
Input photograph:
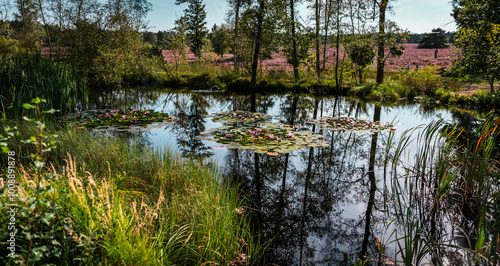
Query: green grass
x,y
27,76
135,206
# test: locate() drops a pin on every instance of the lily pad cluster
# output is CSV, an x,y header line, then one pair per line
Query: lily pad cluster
x,y
272,139
351,124
243,117
125,118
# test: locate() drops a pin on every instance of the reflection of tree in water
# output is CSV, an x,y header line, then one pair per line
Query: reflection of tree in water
x,y
125,98
190,114
304,198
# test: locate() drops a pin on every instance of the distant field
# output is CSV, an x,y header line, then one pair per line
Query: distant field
x,y
412,55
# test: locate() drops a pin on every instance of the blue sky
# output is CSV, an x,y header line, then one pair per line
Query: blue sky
x,y
417,16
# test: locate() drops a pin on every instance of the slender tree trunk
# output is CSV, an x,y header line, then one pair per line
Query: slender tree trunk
x,y
327,25
381,41
317,9
236,35
255,62
294,43
337,44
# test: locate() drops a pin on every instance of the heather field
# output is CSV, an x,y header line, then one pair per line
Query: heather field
x,y
412,55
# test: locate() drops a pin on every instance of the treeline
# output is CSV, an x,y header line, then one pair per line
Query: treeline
x,y
418,37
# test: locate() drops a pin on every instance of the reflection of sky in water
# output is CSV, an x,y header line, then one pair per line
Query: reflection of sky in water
x,y
333,224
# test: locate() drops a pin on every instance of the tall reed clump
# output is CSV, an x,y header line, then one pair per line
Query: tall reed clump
x,y
27,76
128,204
451,189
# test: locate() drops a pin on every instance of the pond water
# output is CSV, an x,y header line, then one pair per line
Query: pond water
x,y
316,206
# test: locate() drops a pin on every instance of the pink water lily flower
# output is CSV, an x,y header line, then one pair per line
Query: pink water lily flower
x,y
259,130
124,117
146,113
276,138
290,135
228,135
252,132
134,121
107,115
256,117
133,110
234,114
100,115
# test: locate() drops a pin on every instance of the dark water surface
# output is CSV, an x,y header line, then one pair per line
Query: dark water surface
x,y
319,206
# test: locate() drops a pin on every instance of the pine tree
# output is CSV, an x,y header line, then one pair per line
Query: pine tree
x,y
195,16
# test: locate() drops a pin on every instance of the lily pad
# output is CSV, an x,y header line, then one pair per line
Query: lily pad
x,y
123,119
267,138
350,124
243,117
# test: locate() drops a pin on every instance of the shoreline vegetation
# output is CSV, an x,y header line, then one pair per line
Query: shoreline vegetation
x,y
127,204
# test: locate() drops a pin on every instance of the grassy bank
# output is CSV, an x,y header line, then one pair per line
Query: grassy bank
x,y
103,200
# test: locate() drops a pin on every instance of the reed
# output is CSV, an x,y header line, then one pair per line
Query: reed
x,y
451,187
27,76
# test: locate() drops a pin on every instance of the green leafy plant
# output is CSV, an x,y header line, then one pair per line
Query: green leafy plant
x,y
44,234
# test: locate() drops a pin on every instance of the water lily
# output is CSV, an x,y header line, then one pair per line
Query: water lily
x,y
107,115
146,113
124,117
276,138
133,110
100,115
290,135
271,136
256,117
134,121
259,130
234,114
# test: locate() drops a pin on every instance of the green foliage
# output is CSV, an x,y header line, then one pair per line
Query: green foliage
x,y
361,54
26,76
194,17
221,39
478,38
434,40
9,46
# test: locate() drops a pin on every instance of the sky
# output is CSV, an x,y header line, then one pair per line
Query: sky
x,y
417,16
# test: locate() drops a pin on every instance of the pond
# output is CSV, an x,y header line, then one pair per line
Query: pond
x,y
314,206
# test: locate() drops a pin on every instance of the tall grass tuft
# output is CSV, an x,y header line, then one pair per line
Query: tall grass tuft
x,y
27,76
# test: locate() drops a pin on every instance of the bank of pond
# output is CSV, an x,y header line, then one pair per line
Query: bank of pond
x,y
192,178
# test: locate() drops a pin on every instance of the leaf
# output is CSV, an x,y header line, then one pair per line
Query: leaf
x,y
28,106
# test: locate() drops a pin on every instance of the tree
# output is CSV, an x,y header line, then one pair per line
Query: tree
x,y
478,38
221,39
361,54
195,16
434,40
382,7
